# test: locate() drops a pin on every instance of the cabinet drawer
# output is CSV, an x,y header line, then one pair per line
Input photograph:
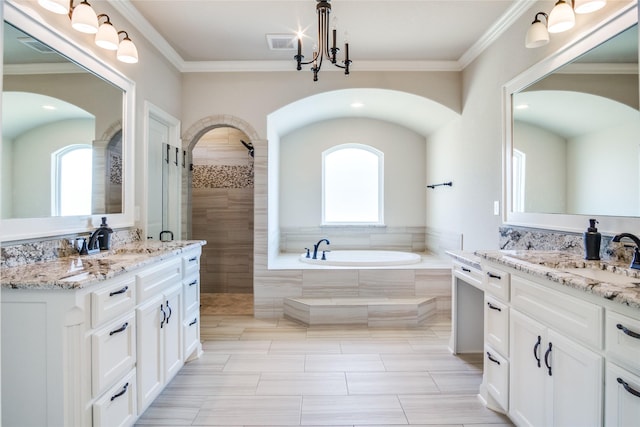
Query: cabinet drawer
x,y
473,276
497,282
191,287
191,333
622,404
154,280
191,263
117,407
113,352
112,301
496,371
496,324
581,320
622,334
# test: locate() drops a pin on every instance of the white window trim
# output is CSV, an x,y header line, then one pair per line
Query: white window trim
x,y
56,158
380,155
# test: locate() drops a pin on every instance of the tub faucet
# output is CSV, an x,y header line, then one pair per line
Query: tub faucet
x,y
635,262
317,245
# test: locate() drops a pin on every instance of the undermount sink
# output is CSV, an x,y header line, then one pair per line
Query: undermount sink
x,y
602,276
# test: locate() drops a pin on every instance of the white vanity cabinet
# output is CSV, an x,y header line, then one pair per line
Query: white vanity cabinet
x,y
191,304
97,354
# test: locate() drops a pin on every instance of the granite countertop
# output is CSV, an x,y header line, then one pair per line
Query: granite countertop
x,y
619,283
75,272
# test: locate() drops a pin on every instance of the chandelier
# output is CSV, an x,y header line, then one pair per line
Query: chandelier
x,y
322,49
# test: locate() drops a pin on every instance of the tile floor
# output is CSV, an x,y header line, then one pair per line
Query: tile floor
x,y
258,372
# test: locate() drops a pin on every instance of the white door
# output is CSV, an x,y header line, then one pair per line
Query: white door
x,y
149,316
528,375
172,331
576,374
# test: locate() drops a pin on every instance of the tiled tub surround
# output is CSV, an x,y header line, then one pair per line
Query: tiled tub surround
x,y
74,272
290,278
550,265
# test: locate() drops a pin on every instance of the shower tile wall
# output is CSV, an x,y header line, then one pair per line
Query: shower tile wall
x,y
222,211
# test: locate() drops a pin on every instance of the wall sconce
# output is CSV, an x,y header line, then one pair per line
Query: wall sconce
x,y
84,19
561,18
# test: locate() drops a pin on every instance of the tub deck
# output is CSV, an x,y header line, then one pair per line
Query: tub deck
x,y
372,312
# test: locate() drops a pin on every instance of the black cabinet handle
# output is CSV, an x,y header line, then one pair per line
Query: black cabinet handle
x,y
164,316
490,357
494,276
546,359
120,329
170,311
121,392
536,349
466,270
195,282
193,322
118,292
628,332
177,151
628,388
493,307
168,148
192,259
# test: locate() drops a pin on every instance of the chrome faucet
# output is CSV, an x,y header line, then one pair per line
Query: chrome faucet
x,y
317,245
635,262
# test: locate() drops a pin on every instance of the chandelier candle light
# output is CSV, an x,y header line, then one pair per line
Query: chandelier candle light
x,y
322,49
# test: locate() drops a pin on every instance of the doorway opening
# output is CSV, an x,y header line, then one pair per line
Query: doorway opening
x,y
222,185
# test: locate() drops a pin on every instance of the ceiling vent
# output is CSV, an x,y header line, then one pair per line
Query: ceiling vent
x,y
35,44
282,41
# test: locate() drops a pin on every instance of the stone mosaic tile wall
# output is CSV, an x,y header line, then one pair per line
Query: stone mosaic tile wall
x,y
222,176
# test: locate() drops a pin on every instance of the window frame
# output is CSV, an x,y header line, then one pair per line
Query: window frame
x,y
56,181
380,157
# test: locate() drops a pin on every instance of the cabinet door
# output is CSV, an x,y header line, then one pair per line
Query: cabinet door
x,y
149,349
622,399
576,374
172,332
528,378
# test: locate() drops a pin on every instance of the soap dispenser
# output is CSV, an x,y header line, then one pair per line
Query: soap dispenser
x,y
104,238
592,240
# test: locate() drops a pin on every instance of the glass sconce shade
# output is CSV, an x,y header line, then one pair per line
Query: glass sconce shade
x,y
60,7
561,17
84,18
588,6
537,35
107,37
127,51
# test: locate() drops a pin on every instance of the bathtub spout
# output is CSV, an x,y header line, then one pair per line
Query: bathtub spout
x,y
317,245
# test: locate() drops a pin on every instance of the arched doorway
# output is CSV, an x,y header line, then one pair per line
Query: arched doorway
x,y
222,183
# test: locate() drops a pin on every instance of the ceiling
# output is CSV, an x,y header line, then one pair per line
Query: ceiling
x,y
398,34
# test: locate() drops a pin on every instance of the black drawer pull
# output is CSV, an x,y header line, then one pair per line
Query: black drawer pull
x,y
170,311
628,332
536,348
547,354
164,316
493,307
628,388
118,292
193,322
466,270
494,276
192,259
494,360
120,329
195,282
121,392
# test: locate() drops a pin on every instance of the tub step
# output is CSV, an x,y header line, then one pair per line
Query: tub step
x,y
374,312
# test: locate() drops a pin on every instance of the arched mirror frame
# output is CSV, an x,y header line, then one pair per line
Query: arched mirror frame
x,y
561,222
32,228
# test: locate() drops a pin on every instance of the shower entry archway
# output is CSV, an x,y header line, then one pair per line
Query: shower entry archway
x,y
220,193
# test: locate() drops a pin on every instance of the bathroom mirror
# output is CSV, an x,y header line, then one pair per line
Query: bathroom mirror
x,y
571,134
66,160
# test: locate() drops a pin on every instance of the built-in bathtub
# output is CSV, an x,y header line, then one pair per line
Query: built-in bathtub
x,y
362,258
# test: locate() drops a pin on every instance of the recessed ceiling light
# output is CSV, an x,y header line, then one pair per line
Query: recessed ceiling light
x,y
48,107
522,106
357,104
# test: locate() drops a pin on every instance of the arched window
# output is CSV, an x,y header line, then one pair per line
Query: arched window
x,y
72,177
352,185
